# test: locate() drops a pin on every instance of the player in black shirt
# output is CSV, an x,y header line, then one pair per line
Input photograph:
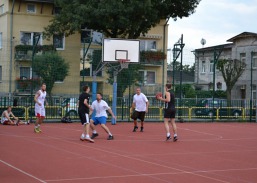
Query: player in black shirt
x,y
169,112
83,110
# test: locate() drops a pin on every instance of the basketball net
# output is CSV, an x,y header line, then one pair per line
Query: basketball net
x,y
123,63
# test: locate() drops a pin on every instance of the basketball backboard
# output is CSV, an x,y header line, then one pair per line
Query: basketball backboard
x,y
120,49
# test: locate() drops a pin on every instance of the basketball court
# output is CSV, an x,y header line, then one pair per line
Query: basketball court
x,y
205,152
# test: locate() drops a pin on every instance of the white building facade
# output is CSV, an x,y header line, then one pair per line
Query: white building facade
x,y
242,47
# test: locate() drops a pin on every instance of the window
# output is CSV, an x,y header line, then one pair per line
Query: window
x,y
243,57
1,9
25,73
27,38
57,10
87,34
90,65
254,92
147,45
254,59
147,77
1,39
203,67
211,66
31,8
0,73
59,42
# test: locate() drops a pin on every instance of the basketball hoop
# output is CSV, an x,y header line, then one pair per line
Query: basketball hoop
x,y
123,63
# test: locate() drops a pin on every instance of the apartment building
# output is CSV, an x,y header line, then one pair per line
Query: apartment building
x,y
21,20
242,47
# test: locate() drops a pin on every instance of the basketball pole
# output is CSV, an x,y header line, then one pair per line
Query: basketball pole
x,y
114,96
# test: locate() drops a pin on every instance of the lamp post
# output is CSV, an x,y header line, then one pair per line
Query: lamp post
x,y
85,53
251,83
177,50
36,38
216,55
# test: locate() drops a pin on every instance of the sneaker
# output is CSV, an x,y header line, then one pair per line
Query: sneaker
x,y
39,130
89,139
82,137
94,135
135,128
142,129
36,130
110,137
28,122
175,138
168,138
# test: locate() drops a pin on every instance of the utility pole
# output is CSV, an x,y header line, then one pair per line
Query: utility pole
x,y
178,50
217,52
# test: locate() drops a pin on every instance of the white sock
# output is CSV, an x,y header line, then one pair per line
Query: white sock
x,y
175,135
87,136
110,134
83,135
94,131
36,126
168,134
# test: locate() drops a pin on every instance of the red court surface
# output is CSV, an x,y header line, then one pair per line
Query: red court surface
x,y
204,153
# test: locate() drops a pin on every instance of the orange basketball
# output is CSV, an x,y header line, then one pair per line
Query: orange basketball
x,y
158,94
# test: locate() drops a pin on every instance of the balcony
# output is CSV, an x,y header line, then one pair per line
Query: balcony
x,y
24,52
152,57
23,85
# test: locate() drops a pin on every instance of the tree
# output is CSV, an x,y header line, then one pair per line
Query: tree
x,y
51,68
231,70
123,18
116,18
125,78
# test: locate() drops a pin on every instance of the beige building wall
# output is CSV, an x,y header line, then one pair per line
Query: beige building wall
x,y
35,22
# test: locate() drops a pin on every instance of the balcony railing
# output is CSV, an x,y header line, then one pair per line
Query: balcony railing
x,y
24,52
152,57
24,85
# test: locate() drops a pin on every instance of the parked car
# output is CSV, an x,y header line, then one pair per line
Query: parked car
x,y
208,107
69,106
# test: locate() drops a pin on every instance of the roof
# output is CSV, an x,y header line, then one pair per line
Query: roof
x,y
242,35
210,48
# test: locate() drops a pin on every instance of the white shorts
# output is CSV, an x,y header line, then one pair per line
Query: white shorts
x,y
40,111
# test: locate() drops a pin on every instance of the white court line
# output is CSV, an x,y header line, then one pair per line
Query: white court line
x,y
32,176
145,161
202,132
152,174
128,157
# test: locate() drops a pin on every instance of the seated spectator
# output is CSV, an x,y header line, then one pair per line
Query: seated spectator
x,y
6,118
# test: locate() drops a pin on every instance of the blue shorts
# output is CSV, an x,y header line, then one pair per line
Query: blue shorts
x,y
99,120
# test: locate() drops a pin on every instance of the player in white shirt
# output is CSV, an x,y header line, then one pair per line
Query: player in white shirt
x,y
100,107
40,99
140,104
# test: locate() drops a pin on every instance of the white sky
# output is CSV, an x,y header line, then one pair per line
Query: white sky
x,y
214,20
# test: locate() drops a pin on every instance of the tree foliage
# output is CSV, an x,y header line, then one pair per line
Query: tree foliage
x,y
231,70
125,78
116,18
51,68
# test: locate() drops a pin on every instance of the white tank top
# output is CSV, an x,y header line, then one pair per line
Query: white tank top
x,y
41,98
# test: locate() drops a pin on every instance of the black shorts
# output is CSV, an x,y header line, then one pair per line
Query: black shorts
x,y
84,117
169,113
138,115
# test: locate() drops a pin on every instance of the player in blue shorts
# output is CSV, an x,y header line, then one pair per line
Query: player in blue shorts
x,y
100,106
